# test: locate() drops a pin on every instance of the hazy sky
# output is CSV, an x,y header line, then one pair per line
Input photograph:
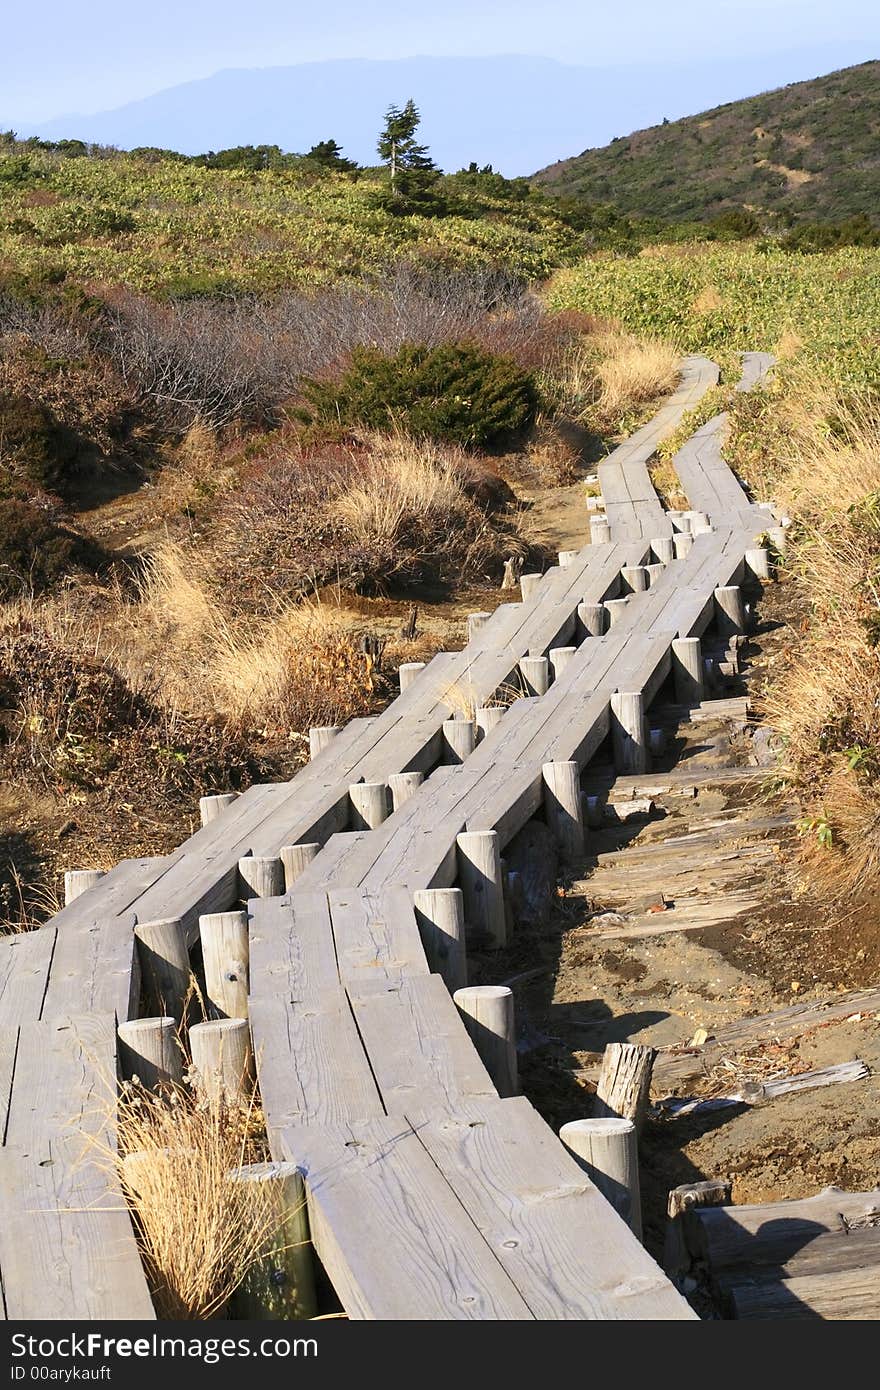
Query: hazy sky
x,y
61,57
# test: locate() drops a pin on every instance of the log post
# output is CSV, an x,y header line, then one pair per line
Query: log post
x,y
600,530
512,572
687,670
222,1060
683,542
260,876
369,804
628,732
210,807
778,538
700,524
459,740
594,814
296,859
608,1151
559,659
440,915
591,619
730,614
475,622
280,1285
677,1253
479,874
165,968
656,742
758,563
676,517
528,584
624,1084
487,717
321,736
402,785
634,579
535,673
408,672
149,1051
487,1012
562,807
663,549
615,608
226,953
79,881
567,558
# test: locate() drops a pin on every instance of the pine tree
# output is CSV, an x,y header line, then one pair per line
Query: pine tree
x,y
413,173
328,153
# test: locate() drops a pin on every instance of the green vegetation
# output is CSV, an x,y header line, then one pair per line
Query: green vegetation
x,y
805,150
457,393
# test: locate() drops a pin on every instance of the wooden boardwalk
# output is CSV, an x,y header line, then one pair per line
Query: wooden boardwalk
x,y
430,1195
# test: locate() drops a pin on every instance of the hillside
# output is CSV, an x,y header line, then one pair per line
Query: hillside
x,y
810,149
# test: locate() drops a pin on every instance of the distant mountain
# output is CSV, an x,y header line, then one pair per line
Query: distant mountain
x,y
514,112
812,148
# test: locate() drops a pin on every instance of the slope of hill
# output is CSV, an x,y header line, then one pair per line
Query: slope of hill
x,y
513,111
811,149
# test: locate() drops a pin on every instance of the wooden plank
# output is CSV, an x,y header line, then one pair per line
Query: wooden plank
x,y
561,1243
94,969
311,1063
376,935
67,1248
390,1232
292,954
845,1296
419,1051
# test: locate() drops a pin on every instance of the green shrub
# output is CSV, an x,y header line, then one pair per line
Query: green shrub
x,y
456,392
36,447
35,551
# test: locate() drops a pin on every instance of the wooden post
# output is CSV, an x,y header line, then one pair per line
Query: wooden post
x,y
280,1285
487,717
369,804
562,807
402,785
487,1011
595,504
654,573
210,807
79,881
593,812
628,732
600,530
712,1192
624,1085
615,608
677,519
729,612
226,953
512,572
479,875
459,740
149,1050
567,558
165,968
700,524
222,1059
656,742
608,1151
778,538
663,549
591,619
687,670
321,736
634,579
683,542
475,622
260,876
528,584
758,563
535,673
559,659
440,915
296,859
408,672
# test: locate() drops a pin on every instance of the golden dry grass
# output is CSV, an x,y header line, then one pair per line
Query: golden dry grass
x,y
199,1229
405,483
608,376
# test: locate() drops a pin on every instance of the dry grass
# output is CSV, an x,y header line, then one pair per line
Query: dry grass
x,y
200,1230
606,378
404,485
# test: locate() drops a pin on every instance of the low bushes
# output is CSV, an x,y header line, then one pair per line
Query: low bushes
x,y
456,392
36,550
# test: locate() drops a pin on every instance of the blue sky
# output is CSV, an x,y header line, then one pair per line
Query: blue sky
x,y
61,57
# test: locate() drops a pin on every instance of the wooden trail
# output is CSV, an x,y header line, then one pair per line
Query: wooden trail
x,y
431,1192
